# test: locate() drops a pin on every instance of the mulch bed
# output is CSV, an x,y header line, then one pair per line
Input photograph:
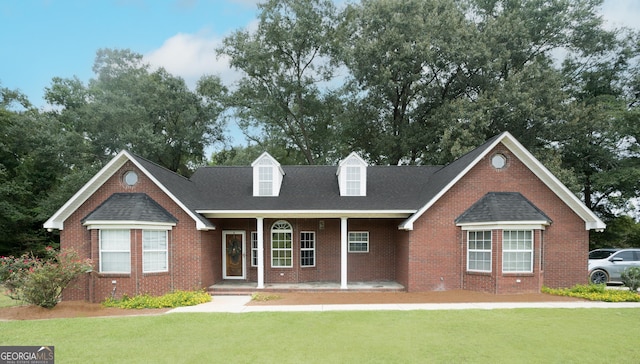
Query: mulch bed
x,y
70,309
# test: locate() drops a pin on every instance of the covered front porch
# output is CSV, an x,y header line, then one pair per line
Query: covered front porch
x,y
237,287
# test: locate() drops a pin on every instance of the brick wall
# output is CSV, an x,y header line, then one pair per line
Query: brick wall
x,y
188,268
377,264
431,257
437,248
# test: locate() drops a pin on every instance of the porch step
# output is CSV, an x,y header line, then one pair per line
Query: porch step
x,y
245,288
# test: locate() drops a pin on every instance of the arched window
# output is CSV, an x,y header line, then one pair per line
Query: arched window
x,y
281,245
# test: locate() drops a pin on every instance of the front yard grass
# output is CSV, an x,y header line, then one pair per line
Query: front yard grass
x,y
6,301
465,336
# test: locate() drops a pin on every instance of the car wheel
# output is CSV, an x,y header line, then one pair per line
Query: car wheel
x,y
599,276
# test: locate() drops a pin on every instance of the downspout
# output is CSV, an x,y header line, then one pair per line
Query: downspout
x,y
171,262
540,252
462,258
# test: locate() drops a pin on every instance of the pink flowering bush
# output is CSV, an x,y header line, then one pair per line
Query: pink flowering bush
x,y
40,281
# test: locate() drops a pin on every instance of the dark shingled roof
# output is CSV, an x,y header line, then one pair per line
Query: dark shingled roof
x,y
312,188
306,188
130,207
502,206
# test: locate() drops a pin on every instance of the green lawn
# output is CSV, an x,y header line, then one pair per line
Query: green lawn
x,y
468,336
5,301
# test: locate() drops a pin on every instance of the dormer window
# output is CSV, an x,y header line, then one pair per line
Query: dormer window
x,y
267,176
352,176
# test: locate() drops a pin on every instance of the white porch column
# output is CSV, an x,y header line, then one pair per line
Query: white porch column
x,y
260,223
343,253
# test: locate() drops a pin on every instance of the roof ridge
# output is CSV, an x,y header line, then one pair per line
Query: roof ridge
x,y
140,158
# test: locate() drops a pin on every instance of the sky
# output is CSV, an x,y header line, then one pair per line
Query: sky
x,y
43,39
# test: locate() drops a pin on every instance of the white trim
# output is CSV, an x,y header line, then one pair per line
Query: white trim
x,y
352,160
308,249
490,251
519,151
277,174
533,245
349,241
290,214
502,225
146,225
260,228
224,253
100,252
57,220
251,233
165,250
289,231
343,252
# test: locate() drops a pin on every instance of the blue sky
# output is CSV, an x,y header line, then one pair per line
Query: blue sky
x,y
42,39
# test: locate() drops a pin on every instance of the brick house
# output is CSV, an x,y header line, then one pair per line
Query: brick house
x,y
495,220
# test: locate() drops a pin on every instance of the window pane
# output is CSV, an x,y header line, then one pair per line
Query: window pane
x,y
307,249
154,240
115,239
115,255
155,262
479,251
265,180
254,249
517,253
281,245
353,181
116,262
154,248
358,242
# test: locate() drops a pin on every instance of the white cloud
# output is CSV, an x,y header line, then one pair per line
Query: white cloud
x,y
621,13
192,56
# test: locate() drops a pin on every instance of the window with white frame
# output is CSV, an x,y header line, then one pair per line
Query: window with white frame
x,y
281,245
307,249
265,180
517,251
353,180
358,242
254,249
352,176
155,257
115,251
479,251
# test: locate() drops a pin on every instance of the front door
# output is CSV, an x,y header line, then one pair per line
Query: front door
x,y
233,256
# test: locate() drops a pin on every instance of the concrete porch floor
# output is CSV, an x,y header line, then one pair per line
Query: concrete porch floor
x,y
238,287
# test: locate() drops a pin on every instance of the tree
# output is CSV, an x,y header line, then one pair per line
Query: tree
x,y
598,139
285,93
432,79
151,113
28,172
405,59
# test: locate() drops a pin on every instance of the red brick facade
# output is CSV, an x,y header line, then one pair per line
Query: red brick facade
x,y
430,257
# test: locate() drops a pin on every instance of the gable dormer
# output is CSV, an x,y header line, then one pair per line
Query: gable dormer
x,y
267,176
352,176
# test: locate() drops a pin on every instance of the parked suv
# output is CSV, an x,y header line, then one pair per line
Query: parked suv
x,y
609,264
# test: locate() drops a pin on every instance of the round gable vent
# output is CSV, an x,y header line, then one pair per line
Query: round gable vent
x,y
130,178
498,161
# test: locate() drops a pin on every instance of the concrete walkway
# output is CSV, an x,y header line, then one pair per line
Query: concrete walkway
x,y
238,304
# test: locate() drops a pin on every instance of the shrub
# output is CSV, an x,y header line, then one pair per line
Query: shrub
x,y
594,292
40,281
631,278
261,297
170,300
